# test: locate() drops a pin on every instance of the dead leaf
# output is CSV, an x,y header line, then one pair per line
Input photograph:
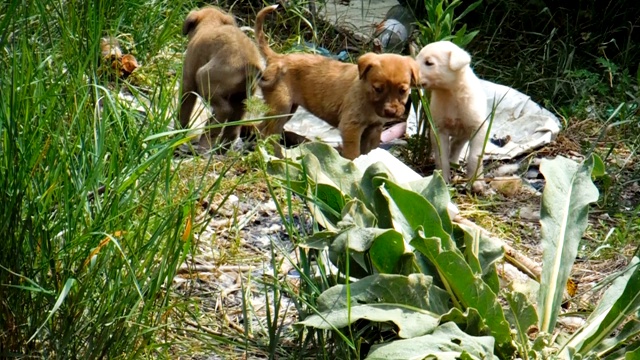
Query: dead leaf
x,y
110,48
129,63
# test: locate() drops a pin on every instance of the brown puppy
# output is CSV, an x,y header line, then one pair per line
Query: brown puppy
x,y
221,65
357,99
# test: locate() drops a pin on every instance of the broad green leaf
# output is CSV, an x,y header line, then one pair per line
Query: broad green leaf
x,y
387,253
323,213
630,331
565,206
599,169
470,321
435,190
469,290
606,319
372,196
382,248
446,342
523,317
318,240
459,35
482,252
439,10
329,200
288,174
410,211
469,9
632,355
468,37
355,212
415,290
354,242
325,164
629,351
411,322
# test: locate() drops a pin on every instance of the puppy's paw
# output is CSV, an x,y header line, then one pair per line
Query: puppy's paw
x,y
479,187
456,179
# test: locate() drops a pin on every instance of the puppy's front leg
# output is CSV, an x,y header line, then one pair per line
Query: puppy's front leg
x,y
370,138
474,160
351,137
441,153
279,101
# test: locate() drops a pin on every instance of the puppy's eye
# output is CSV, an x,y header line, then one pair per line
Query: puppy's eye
x,y
378,89
428,62
402,91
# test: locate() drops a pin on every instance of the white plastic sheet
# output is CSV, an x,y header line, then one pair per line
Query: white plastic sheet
x,y
527,124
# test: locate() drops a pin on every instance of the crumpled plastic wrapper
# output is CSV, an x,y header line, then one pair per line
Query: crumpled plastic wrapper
x,y
519,123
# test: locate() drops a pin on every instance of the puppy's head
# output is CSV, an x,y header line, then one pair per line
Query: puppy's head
x,y
441,63
209,15
387,79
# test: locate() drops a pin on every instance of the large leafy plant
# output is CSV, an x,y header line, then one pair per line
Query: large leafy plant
x,y
441,23
410,265
412,283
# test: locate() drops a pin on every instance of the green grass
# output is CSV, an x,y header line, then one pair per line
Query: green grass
x,y
95,207
92,229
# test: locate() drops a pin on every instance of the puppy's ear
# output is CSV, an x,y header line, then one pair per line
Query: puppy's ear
x,y
228,19
458,59
190,22
365,63
415,70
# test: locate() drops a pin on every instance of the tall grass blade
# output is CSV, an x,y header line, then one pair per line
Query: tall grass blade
x,y
620,302
63,295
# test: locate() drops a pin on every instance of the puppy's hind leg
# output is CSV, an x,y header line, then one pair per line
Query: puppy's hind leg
x,y
226,111
457,144
232,132
186,107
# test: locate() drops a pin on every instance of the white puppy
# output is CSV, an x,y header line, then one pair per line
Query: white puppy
x,y
458,107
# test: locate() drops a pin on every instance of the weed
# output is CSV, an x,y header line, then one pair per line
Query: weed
x,y
94,216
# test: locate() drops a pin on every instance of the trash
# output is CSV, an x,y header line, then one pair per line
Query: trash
x,y
308,46
392,34
115,62
519,124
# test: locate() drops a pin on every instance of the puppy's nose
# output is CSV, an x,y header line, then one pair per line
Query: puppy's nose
x,y
390,112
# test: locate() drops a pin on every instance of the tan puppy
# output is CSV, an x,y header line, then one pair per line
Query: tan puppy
x,y
357,99
458,107
221,65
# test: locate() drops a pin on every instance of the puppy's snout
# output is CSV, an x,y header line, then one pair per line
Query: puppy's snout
x,y
391,111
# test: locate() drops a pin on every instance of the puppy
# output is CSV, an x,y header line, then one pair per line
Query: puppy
x,y
357,99
221,65
458,107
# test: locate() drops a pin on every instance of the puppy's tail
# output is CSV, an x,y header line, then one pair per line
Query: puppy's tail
x,y
263,44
